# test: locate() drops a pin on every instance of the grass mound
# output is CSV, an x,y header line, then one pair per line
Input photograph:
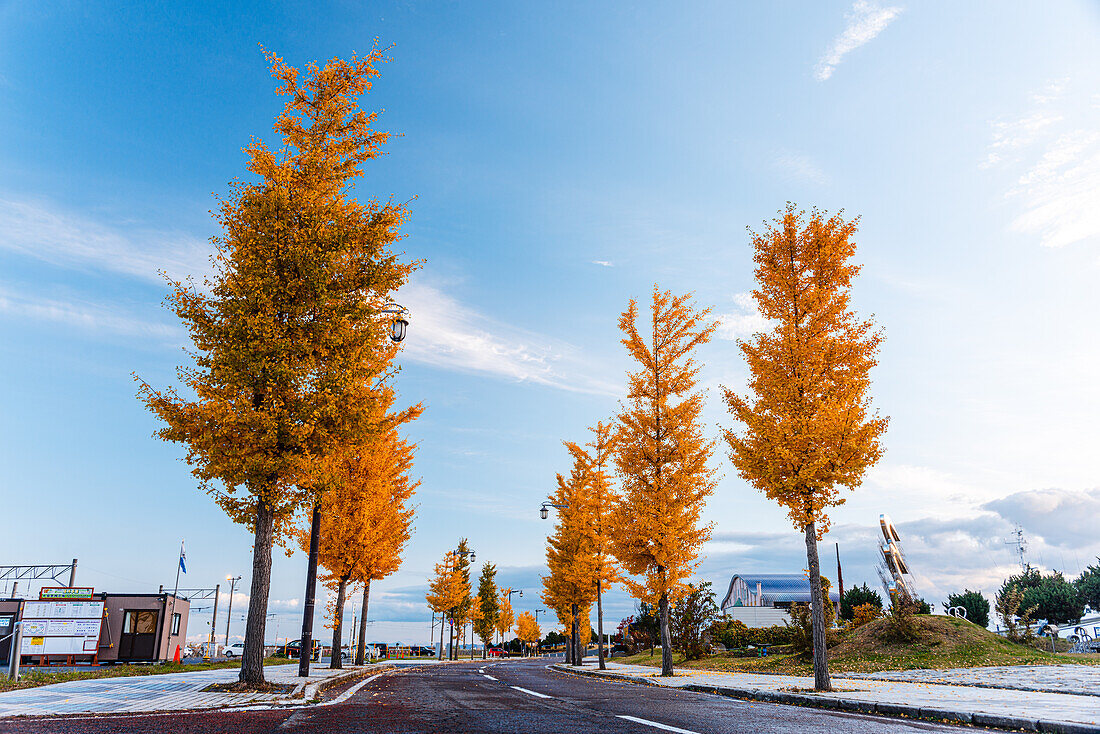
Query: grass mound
x,y
944,642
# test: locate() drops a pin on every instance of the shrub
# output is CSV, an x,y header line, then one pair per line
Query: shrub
x,y
690,617
858,596
1017,623
900,626
735,634
975,604
865,613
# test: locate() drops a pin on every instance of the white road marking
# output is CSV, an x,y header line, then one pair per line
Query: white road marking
x,y
540,695
351,691
647,722
489,677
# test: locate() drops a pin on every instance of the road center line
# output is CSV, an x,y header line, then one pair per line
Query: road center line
x,y
489,677
541,695
647,722
351,691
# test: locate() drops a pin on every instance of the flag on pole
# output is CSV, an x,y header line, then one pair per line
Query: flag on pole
x,y
183,557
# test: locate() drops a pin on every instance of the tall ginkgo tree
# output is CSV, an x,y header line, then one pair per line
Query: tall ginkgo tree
x,y
601,498
527,630
445,592
809,429
505,616
570,557
662,457
488,606
288,328
366,519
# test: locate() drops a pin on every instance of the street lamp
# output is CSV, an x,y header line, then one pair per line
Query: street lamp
x,y
544,511
400,321
229,612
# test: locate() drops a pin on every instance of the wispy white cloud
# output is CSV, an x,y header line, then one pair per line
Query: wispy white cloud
x,y
1053,153
448,334
743,322
451,335
86,317
799,167
865,21
604,263
62,238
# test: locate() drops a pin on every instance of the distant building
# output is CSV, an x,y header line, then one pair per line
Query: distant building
x,y
762,599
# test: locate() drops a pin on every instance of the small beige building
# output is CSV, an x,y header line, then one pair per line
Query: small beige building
x,y
142,627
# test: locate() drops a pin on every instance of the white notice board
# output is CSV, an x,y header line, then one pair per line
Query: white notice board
x,y
61,627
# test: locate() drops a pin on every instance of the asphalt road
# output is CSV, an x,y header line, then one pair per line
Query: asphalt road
x,y
512,696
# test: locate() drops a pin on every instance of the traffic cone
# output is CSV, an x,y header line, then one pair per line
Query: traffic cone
x,y
176,657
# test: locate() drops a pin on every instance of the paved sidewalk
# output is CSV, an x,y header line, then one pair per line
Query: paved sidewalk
x,y
1016,709
1083,680
167,692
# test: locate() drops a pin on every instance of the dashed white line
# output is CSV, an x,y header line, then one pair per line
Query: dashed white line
x,y
488,676
350,692
658,725
540,695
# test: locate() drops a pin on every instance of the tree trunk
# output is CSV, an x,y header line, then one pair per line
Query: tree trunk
x,y
305,652
336,661
817,613
442,626
575,637
361,653
666,638
252,659
451,639
599,621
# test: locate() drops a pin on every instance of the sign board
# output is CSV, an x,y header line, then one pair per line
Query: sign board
x,y
65,592
61,627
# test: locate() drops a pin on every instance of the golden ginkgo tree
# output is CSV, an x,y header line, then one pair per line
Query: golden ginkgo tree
x,y
594,461
662,457
570,584
527,630
288,329
366,519
808,426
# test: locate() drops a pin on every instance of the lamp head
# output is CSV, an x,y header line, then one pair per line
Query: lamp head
x,y
544,512
397,328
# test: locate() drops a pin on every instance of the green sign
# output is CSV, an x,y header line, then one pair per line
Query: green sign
x,y
65,592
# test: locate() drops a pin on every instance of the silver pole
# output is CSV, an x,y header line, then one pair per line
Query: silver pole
x,y
16,647
72,575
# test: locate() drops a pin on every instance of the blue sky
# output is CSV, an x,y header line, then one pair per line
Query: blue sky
x,y
563,158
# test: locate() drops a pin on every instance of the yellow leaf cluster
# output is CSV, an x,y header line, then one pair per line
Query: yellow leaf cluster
x,y
527,629
660,453
808,425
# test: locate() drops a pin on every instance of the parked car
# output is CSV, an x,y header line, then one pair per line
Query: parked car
x,y
496,652
235,650
294,648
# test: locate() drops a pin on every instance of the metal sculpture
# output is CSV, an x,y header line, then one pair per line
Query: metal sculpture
x,y
893,569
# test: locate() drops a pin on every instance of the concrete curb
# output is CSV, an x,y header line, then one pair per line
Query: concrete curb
x,y
825,701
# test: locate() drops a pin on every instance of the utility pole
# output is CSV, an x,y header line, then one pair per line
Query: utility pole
x,y
72,575
214,619
229,613
1021,547
305,652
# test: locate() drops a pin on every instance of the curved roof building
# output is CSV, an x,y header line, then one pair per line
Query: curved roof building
x,y
769,590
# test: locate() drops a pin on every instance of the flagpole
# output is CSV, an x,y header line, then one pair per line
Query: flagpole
x,y
172,610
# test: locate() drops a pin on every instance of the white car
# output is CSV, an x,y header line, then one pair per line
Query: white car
x,y
234,650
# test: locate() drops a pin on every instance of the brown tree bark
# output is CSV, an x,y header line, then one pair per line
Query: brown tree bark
x,y
252,659
599,621
360,654
574,637
666,637
817,613
336,660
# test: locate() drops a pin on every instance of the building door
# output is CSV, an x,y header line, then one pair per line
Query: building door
x,y
6,626
138,640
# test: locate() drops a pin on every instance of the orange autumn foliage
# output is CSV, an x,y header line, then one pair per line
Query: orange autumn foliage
x,y
808,427
662,456
287,330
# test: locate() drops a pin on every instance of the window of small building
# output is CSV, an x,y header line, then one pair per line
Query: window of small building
x,y
176,623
